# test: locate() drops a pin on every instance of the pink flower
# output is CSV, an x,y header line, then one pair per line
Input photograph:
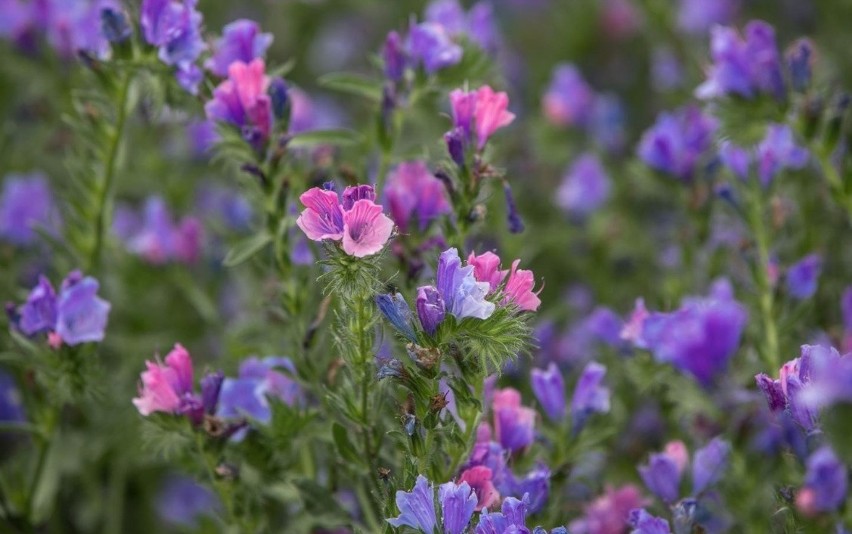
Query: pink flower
x,y
491,113
486,268
165,386
514,425
479,479
241,100
677,451
365,229
323,218
519,289
608,513
483,110
412,190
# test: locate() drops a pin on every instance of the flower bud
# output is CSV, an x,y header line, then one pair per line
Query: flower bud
x,y
431,309
279,97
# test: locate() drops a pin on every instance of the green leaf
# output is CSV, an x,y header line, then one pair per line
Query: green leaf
x,y
246,248
344,446
354,84
325,137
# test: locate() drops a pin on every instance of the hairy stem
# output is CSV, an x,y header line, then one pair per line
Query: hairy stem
x,y
766,293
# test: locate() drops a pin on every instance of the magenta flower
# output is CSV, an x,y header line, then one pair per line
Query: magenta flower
x,y
358,222
323,218
479,478
242,101
165,388
519,289
482,112
486,268
413,191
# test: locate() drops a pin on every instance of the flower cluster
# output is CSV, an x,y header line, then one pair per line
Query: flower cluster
x,y
174,27
76,315
357,222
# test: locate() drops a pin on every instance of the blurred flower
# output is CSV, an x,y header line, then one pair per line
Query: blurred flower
x,y
182,501
70,27
569,99
678,141
241,41
430,43
699,16
736,159
709,463
394,56
698,338
480,480
26,202
463,295
77,315
620,18
224,206
481,112
417,507
413,191
803,277
174,26
609,513
549,388
449,14
585,188
607,124
743,67
644,523
11,407
458,503
799,58
590,395
509,520
666,69
242,101
662,476
777,151
431,309
514,425
156,237
248,395
825,485
202,137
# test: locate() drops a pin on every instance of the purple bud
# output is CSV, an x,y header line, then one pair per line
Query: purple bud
x,y
277,92
396,311
455,139
709,463
662,476
353,194
211,385
516,225
645,523
549,388
772,391
393,54
430,308
114,25
799,62
803,277
590,395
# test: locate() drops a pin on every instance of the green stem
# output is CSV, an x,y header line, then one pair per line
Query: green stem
x,y
766,297
109,171
45,442
222,491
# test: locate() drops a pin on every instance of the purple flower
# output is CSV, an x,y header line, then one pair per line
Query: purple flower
x,y
511,519
516,225
799,63
590,395
224,207
211,387
463,295
182,501
397,312
258,380
241,41
825,483
549,388
417,507
458,502
678,141
81,315
26,203
156,237
70,27
736,159
585,188
174,27
609,513
607,124
413,191
699,16
803,277
449,14
778,151
644,523
743,67
11,408
431,309
662,476
394,56
38,314
430,43
243,102
534,486
569,99
514,425
482,27
699,338
709,463
666,69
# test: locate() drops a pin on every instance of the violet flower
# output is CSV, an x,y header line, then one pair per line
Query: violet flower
x,y
569,99
241,41
412,191
458,502
549,388
778,151
699,16
480,113
26,203
644,523
463,295
431,308
590,395
709,464
417,507
156,237
826,483
430,44
585,187
174,26
803,277
514,425
678,142
248,394
242,101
